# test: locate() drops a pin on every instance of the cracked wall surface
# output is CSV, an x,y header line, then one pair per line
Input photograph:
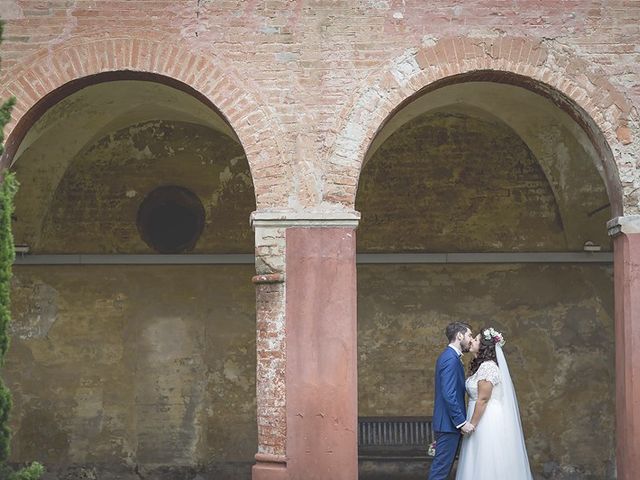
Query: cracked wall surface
x,y
122,368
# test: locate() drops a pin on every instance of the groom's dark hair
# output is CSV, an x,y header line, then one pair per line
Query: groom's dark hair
x,y
454,328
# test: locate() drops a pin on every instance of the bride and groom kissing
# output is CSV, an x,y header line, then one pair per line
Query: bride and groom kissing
x,y
488,431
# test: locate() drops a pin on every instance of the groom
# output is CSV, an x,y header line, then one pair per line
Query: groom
x,y
449,411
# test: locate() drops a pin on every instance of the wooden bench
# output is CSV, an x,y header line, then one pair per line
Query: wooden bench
x,y
394,438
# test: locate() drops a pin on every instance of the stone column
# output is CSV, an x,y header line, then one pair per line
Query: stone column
x,y
626,243
307,346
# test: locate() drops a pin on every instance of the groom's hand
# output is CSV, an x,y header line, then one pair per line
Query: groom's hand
x,y
467,428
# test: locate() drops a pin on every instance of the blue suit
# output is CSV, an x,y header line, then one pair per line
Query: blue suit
x,y
449,412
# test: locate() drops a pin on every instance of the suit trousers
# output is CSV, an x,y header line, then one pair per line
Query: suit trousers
x,y
447,444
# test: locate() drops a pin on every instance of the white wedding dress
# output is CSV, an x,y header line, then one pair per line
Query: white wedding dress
x,y
496,449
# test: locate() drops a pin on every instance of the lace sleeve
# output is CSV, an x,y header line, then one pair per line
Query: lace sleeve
x,y
489,371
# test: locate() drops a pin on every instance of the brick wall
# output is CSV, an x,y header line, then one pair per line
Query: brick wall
x,y
306,84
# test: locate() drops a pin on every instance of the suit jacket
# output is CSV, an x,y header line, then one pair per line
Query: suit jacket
x,y
449,408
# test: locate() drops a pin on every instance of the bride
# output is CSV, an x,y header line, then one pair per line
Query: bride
x,y
496,449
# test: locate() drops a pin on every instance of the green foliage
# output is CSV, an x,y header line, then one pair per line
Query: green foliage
x,y
5,116
7,256
5,408
32,472
8,190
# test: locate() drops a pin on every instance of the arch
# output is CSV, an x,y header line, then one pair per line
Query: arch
x,y
49,76
587,97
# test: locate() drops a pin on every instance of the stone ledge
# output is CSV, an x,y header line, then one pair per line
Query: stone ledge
x,y
270,458
305,219
628,224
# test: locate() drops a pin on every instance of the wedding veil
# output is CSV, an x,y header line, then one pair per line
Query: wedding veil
x,y
513,424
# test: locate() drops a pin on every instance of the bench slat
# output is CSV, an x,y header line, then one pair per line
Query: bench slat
x,y
396,437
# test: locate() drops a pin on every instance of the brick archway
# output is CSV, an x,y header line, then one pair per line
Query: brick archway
x,y
50,75
588,97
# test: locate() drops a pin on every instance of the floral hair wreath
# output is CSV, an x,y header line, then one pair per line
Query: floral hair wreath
x,y
492,334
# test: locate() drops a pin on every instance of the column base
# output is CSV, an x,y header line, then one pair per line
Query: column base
x,y
269,467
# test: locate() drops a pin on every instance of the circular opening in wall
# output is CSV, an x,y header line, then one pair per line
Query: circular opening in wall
x,y
171,219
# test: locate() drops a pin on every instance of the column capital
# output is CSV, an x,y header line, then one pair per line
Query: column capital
x,y
304,218
628,224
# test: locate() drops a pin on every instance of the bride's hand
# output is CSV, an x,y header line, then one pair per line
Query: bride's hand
x,y
467,428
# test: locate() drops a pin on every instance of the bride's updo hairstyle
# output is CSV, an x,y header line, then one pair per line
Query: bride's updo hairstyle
x,y
487,350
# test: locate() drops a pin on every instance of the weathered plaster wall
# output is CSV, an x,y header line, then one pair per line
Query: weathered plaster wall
x,y
118,368
451,182
104,184
558,322
155,366
132,370
563,154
